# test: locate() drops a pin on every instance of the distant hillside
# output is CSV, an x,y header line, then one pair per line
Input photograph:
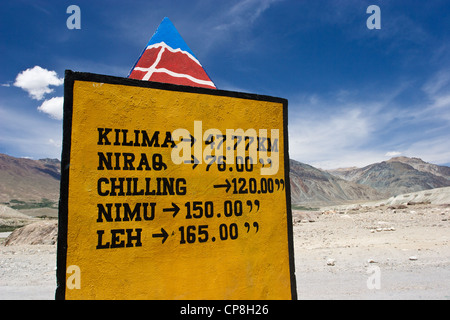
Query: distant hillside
x,y
398,175
423,166
313,187
25,180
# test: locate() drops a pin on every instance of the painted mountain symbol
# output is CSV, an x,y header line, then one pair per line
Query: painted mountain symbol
x,y
167,58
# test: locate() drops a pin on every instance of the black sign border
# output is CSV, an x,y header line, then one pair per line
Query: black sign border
x,y
69,80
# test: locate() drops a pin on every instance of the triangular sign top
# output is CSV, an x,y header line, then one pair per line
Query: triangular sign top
x,y
167,33
167,58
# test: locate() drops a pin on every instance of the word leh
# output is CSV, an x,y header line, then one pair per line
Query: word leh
x,y
133,238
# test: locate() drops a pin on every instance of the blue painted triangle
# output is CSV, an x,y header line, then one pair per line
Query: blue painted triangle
x,y
167,33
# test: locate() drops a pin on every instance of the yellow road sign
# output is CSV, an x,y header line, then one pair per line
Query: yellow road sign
x,y
172,192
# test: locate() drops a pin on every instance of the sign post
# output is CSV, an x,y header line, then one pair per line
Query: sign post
x,y
173,192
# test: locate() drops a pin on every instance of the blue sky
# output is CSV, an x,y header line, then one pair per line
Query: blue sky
x,y
356,96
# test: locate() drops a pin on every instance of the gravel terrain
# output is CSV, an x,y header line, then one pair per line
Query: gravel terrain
x,y
27,272
407,247
381,252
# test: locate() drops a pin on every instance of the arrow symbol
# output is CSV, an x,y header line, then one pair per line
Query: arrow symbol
x,y
193,160
191,140
174,208
227,185
163,235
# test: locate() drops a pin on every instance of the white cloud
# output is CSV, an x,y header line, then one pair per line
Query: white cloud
x,y
356,129
438,88
249,10
438,82
54,143
232,22
331,140
53,107
37,81
434,149
392,154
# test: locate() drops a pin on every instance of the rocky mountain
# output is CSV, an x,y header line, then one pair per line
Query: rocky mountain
x,y
25,180
313,187
423,166
398,175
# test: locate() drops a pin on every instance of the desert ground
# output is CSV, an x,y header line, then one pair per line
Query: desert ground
x,y
339,253
355,252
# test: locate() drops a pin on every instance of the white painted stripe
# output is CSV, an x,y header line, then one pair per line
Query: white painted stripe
x,y
151,70
165,46
181,75
152,67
